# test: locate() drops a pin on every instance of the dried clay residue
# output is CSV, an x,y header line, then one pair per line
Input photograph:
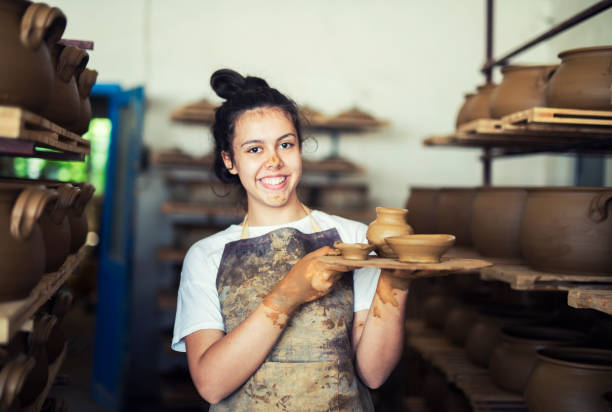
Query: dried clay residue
x,y
278,319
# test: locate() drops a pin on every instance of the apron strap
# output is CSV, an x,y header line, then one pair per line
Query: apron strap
x,y
245,227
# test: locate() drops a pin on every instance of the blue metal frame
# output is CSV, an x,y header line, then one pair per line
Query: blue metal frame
x,y
114,269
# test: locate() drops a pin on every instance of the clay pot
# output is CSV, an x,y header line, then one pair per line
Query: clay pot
x,y
56,228
454,214
583,80
57,339
65,103
13,375
420,248
458,323
478,106
85,81
26,31
463,112
78,218
570,379
22,249
523,87
515,357
389,222
422,205
568,230
354,251
435,309
496,221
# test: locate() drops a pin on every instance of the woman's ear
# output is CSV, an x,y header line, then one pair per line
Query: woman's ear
x,y
227,161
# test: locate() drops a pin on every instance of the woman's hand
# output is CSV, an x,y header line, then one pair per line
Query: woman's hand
x,y
390,283
308,279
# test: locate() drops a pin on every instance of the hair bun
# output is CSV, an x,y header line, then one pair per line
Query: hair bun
x,y
227,83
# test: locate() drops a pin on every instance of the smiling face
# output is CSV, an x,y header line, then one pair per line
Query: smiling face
x,y
267,158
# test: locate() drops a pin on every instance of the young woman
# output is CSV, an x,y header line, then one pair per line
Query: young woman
x,y
265,324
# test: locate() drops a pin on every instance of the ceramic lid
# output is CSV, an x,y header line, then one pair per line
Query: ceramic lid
x,y
604,49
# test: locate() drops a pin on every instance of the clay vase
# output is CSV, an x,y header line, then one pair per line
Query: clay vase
x,y
78,218
26,31
389,222
65,103
478,106
515,356
56,227
583,80
463,111
422,204
570,379
13,375
85,81
496,221
458,322
523,87
22,249
568,230
454,214
57,339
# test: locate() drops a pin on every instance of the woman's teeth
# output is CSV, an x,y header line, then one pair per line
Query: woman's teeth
x,y
273,180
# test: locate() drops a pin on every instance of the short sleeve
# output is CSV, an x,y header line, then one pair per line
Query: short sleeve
x,y
198,304
365,281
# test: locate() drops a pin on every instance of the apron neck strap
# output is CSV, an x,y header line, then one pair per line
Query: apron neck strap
x,y
245,226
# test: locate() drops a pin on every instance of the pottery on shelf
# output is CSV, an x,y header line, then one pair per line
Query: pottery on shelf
x,y
454,214
496,221
354,251
13,374
478,106
583,80
570,379
420,248
522,87
57,340
515,356
463,111
27,30
435,309
389,222
77,216
422,204
568,230
85,81
458,322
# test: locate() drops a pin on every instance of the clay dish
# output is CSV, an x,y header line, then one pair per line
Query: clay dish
x,y
420,248
354,251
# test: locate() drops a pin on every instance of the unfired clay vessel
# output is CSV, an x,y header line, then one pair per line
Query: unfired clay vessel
x,y
454,214
463,111
570,379
496,221
515,356
583,80
57,339
354,251
568,230
13,374
523,87
78,218
422,204
85,81
420,248
389,222
26,32
458,322
435,309
478,106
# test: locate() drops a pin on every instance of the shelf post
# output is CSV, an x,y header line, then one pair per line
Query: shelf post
x,y
486,166
488,70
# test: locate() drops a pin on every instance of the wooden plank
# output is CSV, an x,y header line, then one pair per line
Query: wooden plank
x,y
54,369
552,115
447,264
483,394
522,277
486,126
589,297
14,314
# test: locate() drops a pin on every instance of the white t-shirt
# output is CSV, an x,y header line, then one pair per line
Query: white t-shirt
x,y
198,304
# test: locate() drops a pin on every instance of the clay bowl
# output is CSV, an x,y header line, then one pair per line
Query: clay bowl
x,y
420,248
354,251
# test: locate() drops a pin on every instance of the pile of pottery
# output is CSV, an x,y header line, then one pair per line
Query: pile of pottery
x,y
38,73
42,223
583,80
554,229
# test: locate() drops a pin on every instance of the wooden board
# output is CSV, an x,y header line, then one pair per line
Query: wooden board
x,y
447,265
15,314
53,371
552,115
481,126
522,277
484,395
589,297
17,123
471,253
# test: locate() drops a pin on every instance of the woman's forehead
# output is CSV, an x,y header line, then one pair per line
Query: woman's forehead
x,y
263,122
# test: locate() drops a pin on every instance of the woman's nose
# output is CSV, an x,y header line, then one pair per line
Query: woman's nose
x,y
274,162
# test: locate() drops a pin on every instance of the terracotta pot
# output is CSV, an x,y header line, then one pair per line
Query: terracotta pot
x,y
13,375
583,80
458,323
435,309
26,31
496,221
463,111
85,81
389,222
523,87
514,357
568,230
485,333
570,379
422,205
65,103
454,214
478,106
57,340
78,218
22,249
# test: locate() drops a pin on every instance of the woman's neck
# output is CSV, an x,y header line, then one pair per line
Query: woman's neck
x,y
263,215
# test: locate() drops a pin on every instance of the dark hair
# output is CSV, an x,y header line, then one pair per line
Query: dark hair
x,y
242,94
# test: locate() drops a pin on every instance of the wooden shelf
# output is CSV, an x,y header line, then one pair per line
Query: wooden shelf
x,y
171,255
591,297
53,371
15,314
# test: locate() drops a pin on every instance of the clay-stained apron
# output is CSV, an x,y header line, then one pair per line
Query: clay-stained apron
x,y
311,366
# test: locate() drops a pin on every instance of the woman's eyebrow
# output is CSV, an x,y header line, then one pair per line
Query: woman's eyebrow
x,y
248,142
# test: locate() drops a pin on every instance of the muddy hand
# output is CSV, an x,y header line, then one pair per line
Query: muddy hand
x,y
392,282
308,279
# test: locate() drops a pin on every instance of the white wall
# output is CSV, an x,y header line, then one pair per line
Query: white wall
x,y
406,61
